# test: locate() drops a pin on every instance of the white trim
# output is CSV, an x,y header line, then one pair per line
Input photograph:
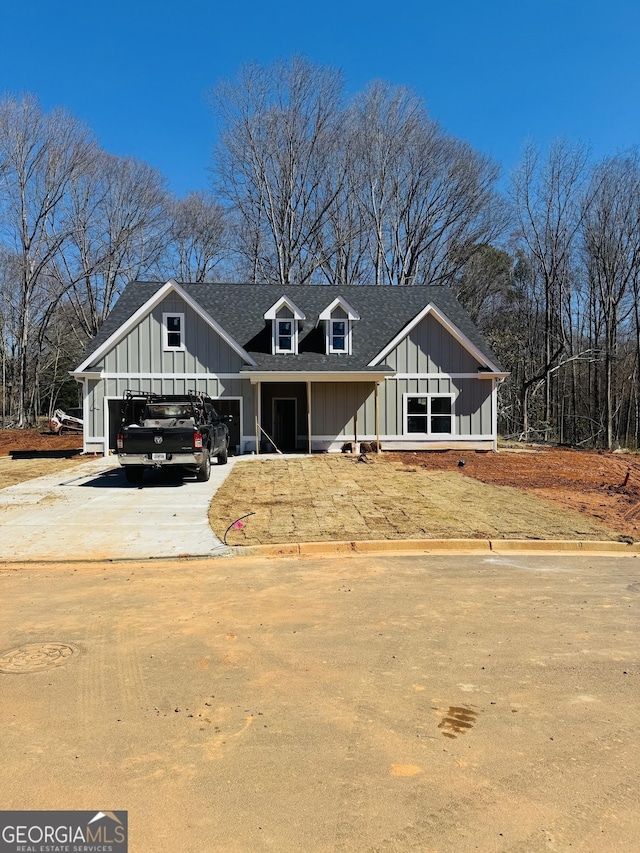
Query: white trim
x,y
193,376
171,286
87,374
494,414
165,332
329,335
85,412
408,439
272,312
462,339
320,376
275,331
437,436
442,376
352,314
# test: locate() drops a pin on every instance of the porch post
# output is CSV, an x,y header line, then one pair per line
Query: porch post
x,y
494,413
377,419
309,417
257,408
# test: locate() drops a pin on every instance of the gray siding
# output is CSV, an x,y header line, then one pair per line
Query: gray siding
x,y
141,351
334,406
471,404
430,348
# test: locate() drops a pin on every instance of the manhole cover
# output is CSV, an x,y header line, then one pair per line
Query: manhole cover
x,y
33,657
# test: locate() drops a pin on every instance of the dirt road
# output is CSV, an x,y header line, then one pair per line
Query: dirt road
x,y
368,704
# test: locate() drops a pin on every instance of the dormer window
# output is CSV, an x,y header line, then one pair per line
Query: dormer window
x,y
338,336
284,335
338,320
285,318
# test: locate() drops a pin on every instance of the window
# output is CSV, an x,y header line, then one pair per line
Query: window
x,y
338,319
285,317
338,341
428,414
173,331
284,336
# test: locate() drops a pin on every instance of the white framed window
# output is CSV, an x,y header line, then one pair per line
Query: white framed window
x,y
173,332
285,317
428,414
339,333
284,331
338,319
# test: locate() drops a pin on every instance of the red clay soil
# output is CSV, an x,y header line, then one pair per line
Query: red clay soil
x,y
590,482
32,440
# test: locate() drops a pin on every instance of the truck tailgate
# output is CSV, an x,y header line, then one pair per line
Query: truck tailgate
x,y
154,439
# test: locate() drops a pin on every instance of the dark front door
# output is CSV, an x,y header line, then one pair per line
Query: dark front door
x,y
284,423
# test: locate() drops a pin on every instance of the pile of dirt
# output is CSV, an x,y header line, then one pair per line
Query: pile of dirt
x,y
29,453
32,440
594,483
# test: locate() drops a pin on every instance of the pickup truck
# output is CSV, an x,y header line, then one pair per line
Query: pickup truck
x,y
171,431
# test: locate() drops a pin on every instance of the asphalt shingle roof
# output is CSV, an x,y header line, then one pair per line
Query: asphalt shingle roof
x,y
239,308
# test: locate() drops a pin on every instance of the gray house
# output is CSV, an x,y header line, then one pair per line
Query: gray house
x,y
311,365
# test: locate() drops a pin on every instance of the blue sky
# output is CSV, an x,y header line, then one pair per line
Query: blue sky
x,y
493,73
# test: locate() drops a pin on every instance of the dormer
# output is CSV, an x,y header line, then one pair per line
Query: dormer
x,y
285,317
338,319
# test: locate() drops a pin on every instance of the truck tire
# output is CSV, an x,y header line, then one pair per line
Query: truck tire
x,y
134,474
204,471
223,455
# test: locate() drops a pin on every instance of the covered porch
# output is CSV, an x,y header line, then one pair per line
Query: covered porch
x,y
298,413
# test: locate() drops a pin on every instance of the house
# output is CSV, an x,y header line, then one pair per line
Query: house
x,y
313,366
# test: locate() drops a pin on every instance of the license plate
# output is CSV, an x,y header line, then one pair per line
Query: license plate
x,y
158,457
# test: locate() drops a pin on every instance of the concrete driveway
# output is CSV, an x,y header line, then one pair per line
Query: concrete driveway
x,y
91,512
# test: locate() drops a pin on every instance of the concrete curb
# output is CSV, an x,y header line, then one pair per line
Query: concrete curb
x,y
371,546
439,546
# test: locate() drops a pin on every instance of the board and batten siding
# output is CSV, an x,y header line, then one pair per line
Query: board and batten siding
x,y
430,348
141,350
139,363
472,403
335,407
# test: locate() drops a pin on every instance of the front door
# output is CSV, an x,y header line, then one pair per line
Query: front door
x,y
284,423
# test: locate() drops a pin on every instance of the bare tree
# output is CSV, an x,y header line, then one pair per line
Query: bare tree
x,y
485,284
196,237
612,258
115,227
428,200
42,154
281,124
549,203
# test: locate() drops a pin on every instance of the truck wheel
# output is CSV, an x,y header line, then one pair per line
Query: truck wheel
x,y
222,455
134,474
204,471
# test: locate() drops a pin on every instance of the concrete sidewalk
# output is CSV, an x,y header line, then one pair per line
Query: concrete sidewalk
x,y
90,512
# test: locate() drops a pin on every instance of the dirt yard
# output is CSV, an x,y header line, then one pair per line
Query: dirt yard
x,y
25,454
508,495
511,494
